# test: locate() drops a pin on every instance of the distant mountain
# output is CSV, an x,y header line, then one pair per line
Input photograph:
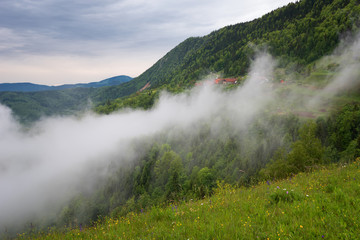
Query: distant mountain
x,y
23,87
31,87
29,102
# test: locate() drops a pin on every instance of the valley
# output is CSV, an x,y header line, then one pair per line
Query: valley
x,y
249,132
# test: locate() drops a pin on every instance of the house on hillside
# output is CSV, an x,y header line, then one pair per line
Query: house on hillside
x,y
226,81
218,81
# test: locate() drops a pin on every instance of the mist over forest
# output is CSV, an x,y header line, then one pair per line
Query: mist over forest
x,y
279,119
42,167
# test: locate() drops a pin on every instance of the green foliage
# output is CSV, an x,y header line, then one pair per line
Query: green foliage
x,y
175,181
143,100
168,159
351,152
305,153
278,168
206,182
284,196
345,127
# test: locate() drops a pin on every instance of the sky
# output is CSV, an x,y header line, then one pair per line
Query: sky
x,y
56,42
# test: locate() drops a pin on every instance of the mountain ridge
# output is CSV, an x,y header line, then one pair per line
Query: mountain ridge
x,y
32,87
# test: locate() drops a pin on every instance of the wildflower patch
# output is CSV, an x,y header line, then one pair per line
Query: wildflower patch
x,y
283,195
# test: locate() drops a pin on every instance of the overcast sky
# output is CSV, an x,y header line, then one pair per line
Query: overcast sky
x,y
70,41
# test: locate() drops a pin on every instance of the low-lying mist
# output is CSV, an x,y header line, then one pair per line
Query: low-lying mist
x,y
44,167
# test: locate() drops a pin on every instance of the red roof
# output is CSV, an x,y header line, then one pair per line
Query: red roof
x,y
219,80
233,80
225,80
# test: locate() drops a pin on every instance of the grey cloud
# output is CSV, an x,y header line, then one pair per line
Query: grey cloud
x,y
109,29
65,22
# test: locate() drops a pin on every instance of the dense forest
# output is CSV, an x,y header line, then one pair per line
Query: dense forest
x,y
278,141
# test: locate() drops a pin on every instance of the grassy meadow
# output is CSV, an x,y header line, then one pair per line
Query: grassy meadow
x,y
323,204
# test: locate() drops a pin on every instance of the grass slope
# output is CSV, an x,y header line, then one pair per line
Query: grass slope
x,y
324,204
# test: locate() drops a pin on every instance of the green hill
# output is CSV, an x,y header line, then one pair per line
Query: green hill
x,y
30,102
31,106
298,34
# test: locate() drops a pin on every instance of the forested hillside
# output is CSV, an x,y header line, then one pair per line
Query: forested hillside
x,y
297,34
31,106
29,102
300,33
